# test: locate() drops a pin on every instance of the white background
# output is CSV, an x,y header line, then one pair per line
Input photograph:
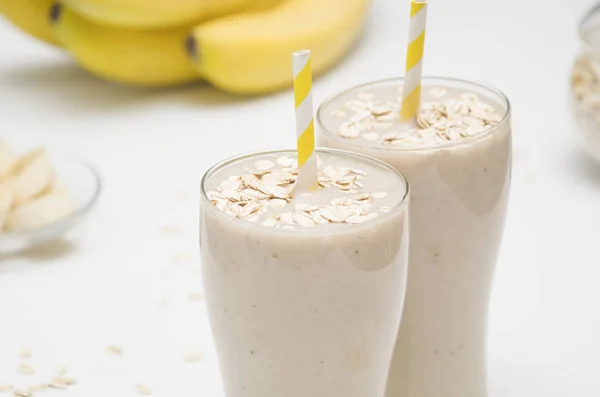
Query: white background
x,y
126,282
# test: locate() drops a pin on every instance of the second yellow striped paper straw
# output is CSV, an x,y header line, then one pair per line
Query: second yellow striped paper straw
x,y
305,127
411,94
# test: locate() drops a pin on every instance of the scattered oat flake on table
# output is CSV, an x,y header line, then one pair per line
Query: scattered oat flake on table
x,y
143,390
5,388
64,381
180,258
25,369
25,353
114,350
195,296
170,229
57,385
22,393
36,388
193,357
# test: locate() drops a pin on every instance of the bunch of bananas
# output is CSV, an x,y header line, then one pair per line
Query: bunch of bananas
x,y
240,46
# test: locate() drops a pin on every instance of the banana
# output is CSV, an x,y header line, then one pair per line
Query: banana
x,y
161,13
41,211
252,53
32,16
136,57
30,175
7,158
6,201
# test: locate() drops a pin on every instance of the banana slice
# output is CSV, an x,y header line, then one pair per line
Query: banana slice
x,y
30,175
39,212
7,158
6,200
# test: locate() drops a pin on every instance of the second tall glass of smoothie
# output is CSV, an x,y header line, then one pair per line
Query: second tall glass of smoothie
x,y
304,290
457,158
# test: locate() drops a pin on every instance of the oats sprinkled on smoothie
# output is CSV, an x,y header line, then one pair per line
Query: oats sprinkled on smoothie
x,y
444,117
263,194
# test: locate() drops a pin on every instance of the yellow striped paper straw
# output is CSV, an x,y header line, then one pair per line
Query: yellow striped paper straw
x,y
411,94
305,126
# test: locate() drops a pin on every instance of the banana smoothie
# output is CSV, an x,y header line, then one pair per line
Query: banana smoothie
x,y
457,158
304,290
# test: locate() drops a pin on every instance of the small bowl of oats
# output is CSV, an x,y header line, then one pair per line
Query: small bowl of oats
x,y
585,83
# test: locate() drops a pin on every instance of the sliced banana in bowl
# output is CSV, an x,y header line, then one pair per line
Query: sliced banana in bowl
x,y
30,175
6,200
39,212
43,197
7,158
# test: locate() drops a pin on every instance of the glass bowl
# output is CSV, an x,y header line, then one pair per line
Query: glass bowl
x,y
84,185
585,83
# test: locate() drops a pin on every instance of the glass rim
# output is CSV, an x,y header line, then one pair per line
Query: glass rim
x,y
582,23
473,138
248,155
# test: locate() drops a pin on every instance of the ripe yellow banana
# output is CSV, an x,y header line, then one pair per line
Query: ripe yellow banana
x,y
137,57
252,53
161,13
32,16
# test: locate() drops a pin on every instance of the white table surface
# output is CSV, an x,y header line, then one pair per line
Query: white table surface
x,y
127,282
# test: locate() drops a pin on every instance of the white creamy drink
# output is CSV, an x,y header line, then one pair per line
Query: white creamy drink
x,y
304,291
457,160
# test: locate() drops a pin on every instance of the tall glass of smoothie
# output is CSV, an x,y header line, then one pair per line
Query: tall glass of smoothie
x,y
457,158
304,291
